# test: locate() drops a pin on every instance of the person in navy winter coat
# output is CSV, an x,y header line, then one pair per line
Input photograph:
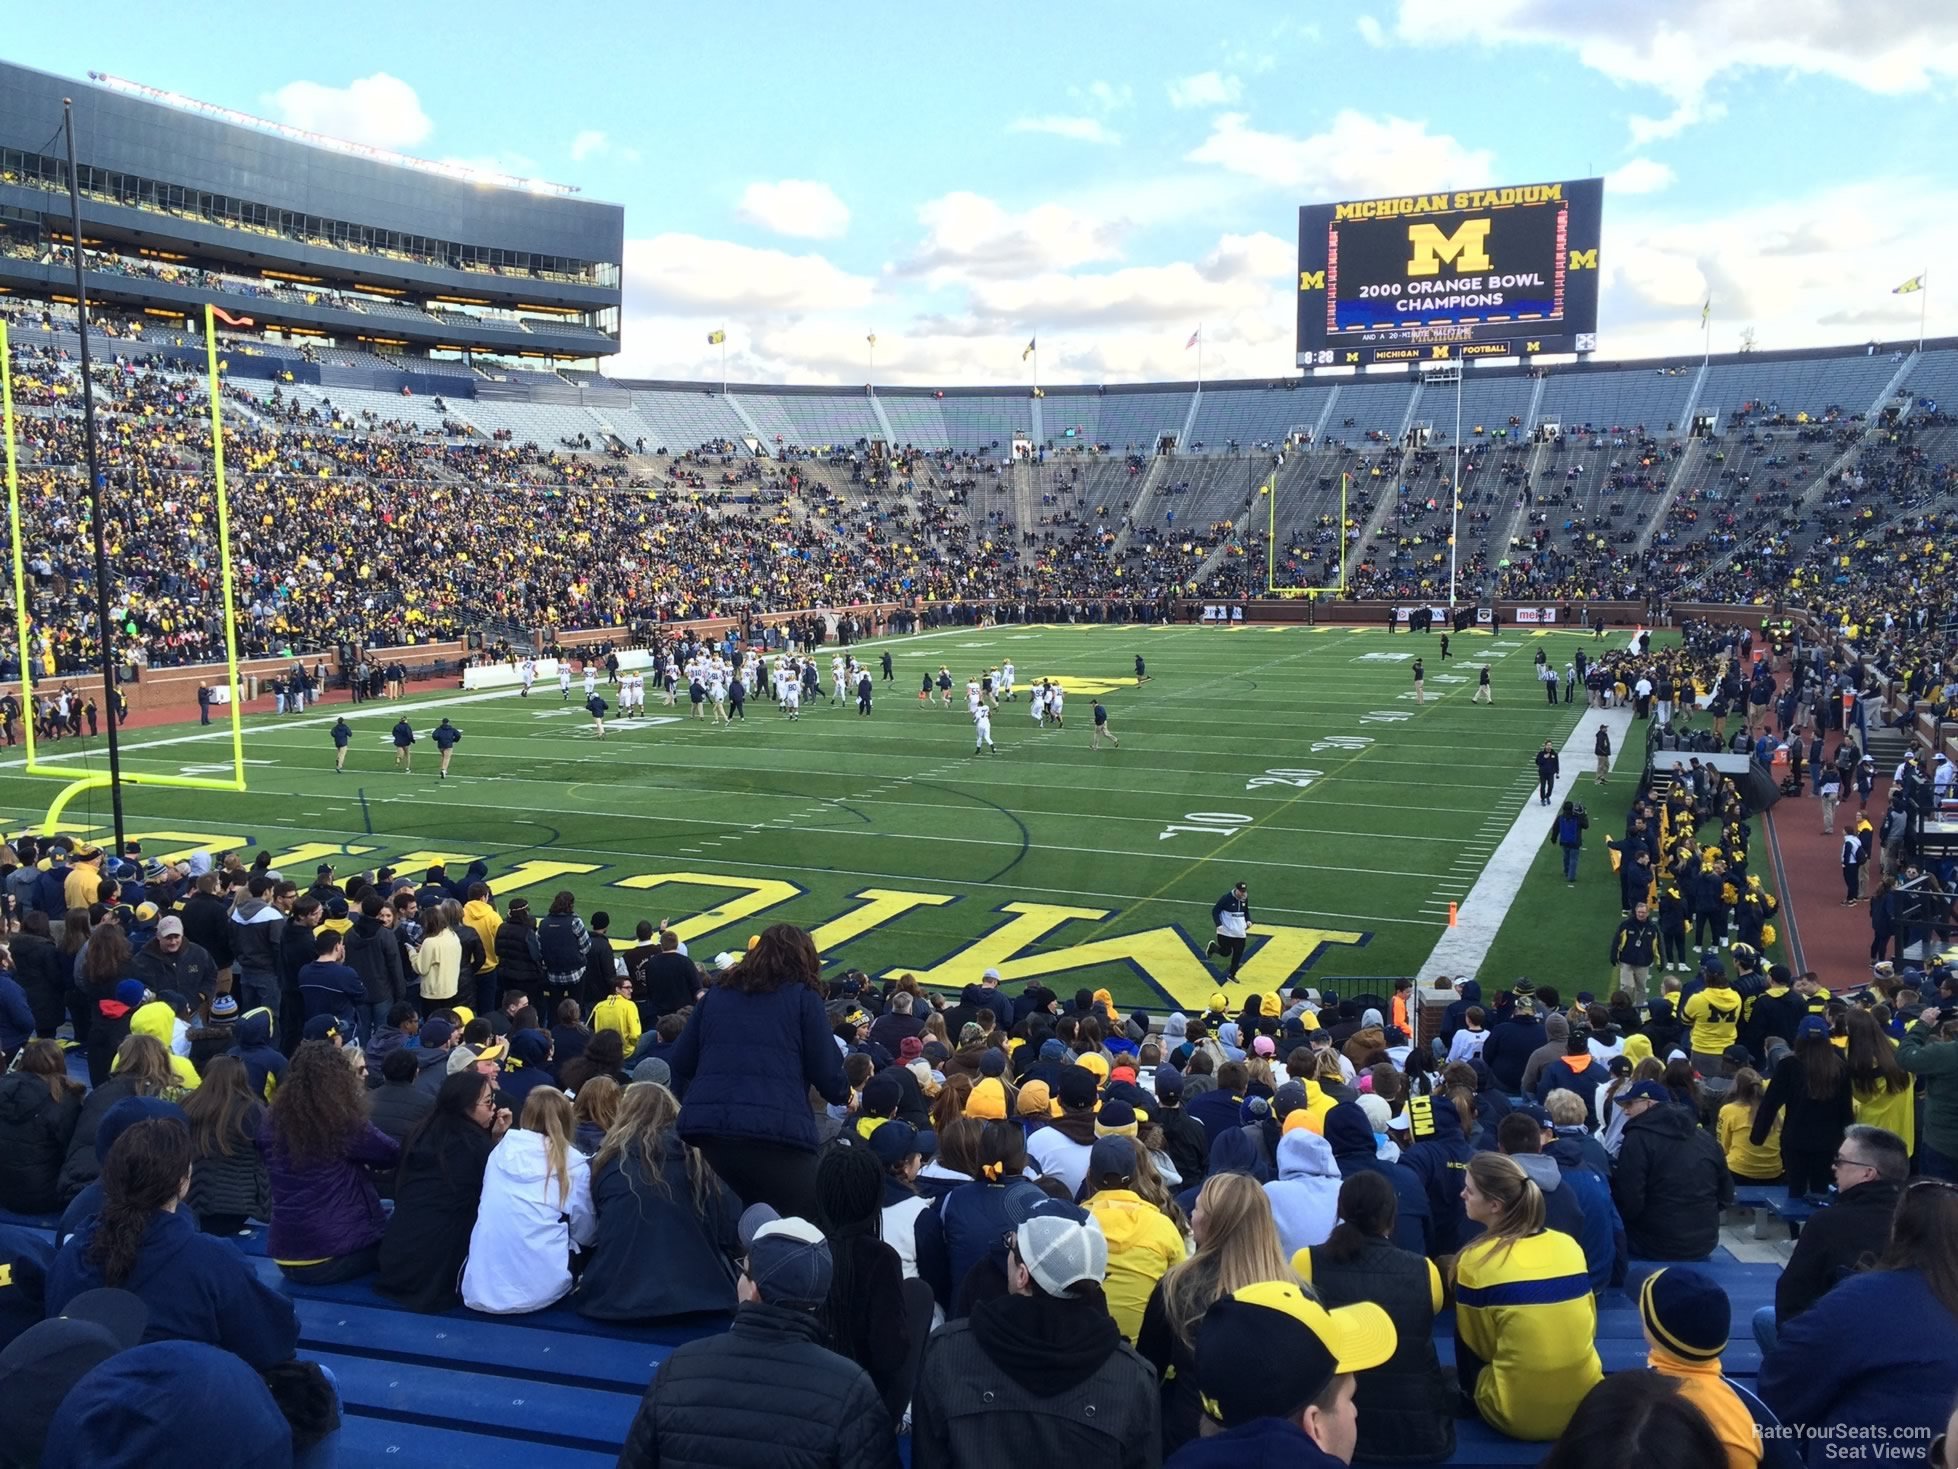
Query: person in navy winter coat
x,y
1876,1352
197,1287
1439,1157
754,1046
1355,1150
1510,1044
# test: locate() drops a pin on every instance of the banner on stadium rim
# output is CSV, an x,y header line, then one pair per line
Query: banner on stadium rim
x,y
1223,614
1406,614
1483,617
1541,615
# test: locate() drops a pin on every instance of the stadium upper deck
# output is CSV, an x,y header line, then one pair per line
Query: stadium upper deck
x,y
323,243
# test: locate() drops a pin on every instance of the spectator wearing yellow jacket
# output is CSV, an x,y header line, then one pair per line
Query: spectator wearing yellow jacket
x,y
1687,1319
617,1012
1142,1242
1525,1319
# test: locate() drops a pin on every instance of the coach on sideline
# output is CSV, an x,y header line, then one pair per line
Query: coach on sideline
x,y
1232,915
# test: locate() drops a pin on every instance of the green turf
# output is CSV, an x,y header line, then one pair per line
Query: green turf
x,y
902,850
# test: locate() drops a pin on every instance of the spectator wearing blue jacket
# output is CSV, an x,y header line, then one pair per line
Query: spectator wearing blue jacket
x,y
1439,1156
198,1287
1512,1040
756,1043
1874,1355
1355,1149
330,985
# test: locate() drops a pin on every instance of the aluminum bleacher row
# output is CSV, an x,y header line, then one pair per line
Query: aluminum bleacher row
x,y
463,1390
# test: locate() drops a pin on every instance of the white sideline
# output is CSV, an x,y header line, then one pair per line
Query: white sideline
x,y
1462,949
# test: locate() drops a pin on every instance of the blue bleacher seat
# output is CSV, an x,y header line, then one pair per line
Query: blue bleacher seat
x,y
366,1439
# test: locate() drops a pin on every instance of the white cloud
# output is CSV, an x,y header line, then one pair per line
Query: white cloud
x,y
802,208
1639,176
1680,47
1080,129
1370,31
1105,96
1205,89
381,111
970,235
588,142
1689,112
1356,157
1804,271
678,272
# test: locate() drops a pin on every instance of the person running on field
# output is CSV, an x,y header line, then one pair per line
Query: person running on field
x,y
982,729
404,745
944,686
1232,915
446,737
343,734
1101,730
1483,693
596,704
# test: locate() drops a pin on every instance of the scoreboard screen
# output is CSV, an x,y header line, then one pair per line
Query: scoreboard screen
x,y
1499,272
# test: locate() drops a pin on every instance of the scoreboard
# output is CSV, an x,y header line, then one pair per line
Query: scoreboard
x,y
1499,272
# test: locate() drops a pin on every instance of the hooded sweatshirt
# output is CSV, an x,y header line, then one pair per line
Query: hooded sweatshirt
x,y
1263,1443
138,1407
1349,1135
1440,1161
1142,1245
159,1022
1556,1030
1580,1074
265,1068
1305,1195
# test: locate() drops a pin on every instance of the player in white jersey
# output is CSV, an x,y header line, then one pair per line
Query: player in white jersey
x,y
1054,704
972,698
527,671
591,680
982,729
835,678
717,691
1037,704
791,692
638,693
1006,679
564,678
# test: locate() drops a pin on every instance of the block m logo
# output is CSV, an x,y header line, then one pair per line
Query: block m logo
x,y
1466,249
1312,280
1583,260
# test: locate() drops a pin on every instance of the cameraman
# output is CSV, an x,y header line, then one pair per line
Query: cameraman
x,y
1930,1049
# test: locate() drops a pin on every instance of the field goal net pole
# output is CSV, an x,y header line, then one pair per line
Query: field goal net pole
x,y
1441,375
115,778
1271,544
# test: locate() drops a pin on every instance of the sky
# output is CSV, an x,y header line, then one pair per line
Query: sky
x,y
1110,181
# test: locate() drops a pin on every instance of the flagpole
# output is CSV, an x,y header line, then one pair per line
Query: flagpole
x,y
1923,304
723,362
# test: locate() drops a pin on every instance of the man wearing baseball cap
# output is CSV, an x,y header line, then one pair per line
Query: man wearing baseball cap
x,y
1039,1376
1671,1181
1276,1371
767,1390
169,961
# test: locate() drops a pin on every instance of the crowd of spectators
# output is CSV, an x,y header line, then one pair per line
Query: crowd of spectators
x,y
971,1216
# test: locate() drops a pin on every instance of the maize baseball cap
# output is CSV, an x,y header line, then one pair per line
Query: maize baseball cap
x,y
1267,1350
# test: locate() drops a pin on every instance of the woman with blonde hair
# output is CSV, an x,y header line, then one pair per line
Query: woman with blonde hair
x,y
1236,1245
536,1210
596,1109
1525,1319
657,1200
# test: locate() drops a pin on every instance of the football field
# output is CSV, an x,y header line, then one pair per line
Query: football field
x,y
1295,759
